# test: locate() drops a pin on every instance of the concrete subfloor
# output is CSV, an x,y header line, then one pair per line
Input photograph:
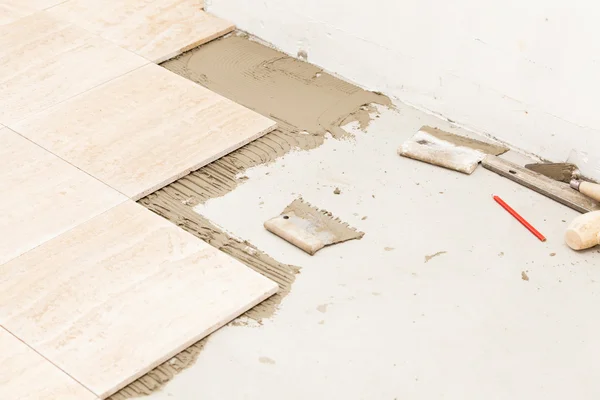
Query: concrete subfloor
x,y
380,318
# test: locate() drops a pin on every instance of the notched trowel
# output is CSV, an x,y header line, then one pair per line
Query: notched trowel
x,y
309,228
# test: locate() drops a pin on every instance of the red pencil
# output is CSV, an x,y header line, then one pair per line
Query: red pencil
x,y
519,218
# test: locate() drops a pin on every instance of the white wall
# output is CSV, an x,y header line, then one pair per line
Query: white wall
x,y
524,71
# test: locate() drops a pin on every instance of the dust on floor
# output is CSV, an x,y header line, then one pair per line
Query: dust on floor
x,y
307,103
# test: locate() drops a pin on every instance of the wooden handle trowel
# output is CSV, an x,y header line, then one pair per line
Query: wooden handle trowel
x,y
584,231
568,173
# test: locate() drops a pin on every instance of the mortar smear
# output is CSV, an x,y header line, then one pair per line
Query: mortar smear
x,y
306,102
298,95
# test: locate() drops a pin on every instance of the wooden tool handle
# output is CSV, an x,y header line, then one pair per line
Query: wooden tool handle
x,y
584,231
591,190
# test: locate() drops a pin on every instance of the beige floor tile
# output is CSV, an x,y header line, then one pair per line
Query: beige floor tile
x,y
25,375
155,29
12,10
44,61
144,130
118,295
41,4
43,196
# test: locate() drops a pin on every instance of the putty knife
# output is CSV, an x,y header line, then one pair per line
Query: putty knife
x,y
460,153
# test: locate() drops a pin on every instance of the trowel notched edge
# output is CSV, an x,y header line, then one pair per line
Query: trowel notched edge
x,y
309,228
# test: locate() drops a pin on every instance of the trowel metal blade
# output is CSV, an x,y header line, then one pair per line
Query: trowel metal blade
x,y
562,172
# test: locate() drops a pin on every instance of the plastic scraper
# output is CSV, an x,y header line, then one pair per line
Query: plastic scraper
x,y
445,149
309,228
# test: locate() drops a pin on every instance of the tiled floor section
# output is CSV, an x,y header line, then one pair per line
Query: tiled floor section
x,y
101,288
144,130
132,290
40,4
44,61
25,375
12,10
43,196
157,30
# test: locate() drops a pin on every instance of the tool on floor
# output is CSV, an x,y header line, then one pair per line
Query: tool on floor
x,y
591,190
584,231
519,218
309,228
562,172
437,147
553,189
567,173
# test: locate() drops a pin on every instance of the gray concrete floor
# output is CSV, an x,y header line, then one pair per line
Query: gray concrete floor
x,y
371,319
